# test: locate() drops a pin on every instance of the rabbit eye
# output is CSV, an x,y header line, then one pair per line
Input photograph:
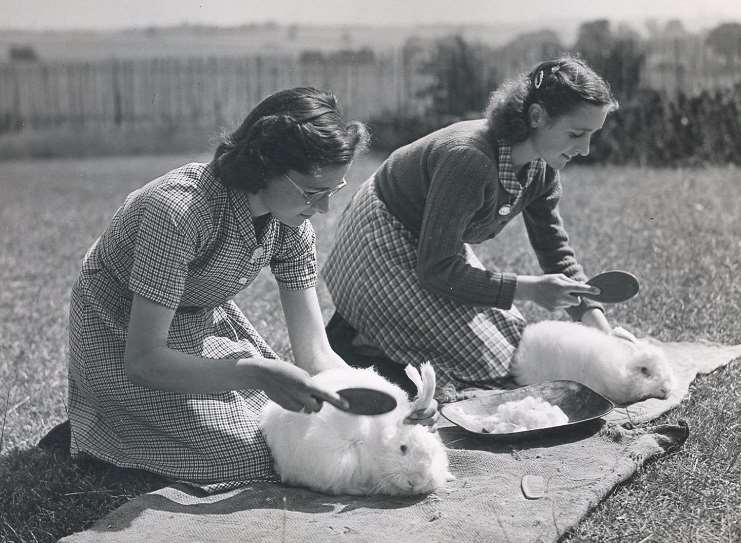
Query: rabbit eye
x,y
403,449
645,371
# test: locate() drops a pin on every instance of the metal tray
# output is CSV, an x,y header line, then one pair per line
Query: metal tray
x,y
578,402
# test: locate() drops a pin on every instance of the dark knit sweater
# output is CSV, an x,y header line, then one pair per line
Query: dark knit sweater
x,y
444,188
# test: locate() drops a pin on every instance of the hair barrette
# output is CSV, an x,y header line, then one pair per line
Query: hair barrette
x,y
538,79
555,68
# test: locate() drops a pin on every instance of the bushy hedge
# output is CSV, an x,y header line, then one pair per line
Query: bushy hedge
x,y
652,129
393,131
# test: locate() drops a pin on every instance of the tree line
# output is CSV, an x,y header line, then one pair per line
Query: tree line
x,y
653,126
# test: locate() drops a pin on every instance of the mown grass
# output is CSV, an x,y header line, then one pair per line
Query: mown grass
x,y
678,230
94,141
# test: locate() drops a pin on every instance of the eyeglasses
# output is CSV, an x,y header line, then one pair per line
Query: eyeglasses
x,y
312,198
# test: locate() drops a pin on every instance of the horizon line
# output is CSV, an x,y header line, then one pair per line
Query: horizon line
x,y
357,24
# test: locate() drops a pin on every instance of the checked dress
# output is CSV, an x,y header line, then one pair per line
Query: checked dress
x,y
187,242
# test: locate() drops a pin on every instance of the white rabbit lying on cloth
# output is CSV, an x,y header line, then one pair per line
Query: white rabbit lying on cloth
x,y
617,366
340,453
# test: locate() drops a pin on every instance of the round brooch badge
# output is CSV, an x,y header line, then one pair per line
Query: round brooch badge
x,y
505,210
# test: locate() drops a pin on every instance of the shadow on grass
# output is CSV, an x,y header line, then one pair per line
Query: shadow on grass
x,y
274,501
46,495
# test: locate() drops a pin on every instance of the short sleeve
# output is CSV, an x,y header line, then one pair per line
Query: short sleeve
x,y
167,240
294,263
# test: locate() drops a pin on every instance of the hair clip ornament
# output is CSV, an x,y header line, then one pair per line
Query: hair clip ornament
x,y
555,68
539,79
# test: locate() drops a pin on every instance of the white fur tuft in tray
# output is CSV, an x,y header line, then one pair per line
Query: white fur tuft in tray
x,y
577,402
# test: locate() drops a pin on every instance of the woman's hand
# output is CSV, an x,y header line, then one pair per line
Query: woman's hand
x,y
622,333
292,387
551,291
595,318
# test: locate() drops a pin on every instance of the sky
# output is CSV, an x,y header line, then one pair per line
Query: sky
x,y
113,14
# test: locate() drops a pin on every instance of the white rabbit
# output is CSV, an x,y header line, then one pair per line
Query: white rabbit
x,y
617,366
339,453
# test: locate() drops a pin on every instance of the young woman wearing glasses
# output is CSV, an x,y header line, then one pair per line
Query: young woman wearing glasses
x,y
165,371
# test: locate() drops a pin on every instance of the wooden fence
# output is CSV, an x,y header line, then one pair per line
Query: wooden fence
x,y
218,92
203,91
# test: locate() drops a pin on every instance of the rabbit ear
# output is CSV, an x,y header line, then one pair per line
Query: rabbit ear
x,y
415,377
425,383
428,388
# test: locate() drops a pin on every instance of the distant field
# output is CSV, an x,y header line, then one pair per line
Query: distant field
x,y
678,230
247,40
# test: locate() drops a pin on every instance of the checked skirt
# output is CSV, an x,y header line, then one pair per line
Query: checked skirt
x,y
371,276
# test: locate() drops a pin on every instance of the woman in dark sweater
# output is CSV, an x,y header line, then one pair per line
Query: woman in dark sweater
x,y
402,272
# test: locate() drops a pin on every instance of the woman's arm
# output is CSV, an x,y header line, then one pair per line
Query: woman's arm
x,y
311,349
150,362
460,175
552,247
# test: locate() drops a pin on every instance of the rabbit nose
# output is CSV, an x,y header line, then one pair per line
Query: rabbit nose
x,y
416,481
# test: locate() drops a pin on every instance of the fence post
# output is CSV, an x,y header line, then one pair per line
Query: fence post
x,y
117,113
218,119
16,99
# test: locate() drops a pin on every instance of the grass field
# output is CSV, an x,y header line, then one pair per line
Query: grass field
x,y
678,230
287,39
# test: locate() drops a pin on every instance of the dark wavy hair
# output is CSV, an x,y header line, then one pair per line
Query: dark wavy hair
x,y
559,86
298,129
